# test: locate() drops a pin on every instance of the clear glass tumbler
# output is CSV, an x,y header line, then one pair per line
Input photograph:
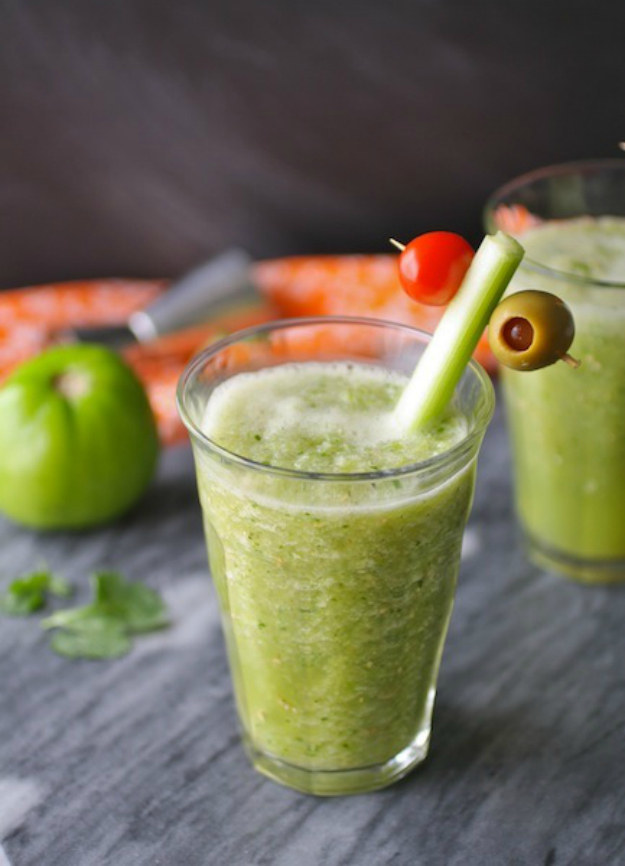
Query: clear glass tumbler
x,y
335,589
567,426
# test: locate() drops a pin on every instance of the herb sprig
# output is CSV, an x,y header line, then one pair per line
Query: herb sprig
x,y
28,593
103,629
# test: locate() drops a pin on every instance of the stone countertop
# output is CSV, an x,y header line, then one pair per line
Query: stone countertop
x,y
137,762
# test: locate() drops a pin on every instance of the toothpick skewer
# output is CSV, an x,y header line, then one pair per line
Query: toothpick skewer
x,y
398,244
570,360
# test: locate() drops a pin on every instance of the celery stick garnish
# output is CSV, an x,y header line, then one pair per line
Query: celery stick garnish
x,y
443,362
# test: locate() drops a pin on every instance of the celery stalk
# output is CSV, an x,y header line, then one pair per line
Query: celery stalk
x,y
443,362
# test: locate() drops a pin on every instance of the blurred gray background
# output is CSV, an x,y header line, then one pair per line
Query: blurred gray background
x,y
140,136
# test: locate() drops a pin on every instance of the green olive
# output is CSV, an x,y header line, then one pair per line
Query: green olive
x,y
530,330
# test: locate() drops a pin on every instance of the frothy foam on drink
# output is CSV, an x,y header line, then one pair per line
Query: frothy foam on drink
x,y
322,417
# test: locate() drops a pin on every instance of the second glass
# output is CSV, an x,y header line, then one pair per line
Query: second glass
x,y
335,589
567,426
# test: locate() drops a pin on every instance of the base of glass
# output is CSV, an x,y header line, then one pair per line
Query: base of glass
x,y
334,783
580,568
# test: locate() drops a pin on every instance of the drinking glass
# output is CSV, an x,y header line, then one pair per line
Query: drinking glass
x,y
335,590
567,426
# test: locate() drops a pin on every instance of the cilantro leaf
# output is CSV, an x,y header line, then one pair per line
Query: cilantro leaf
x,y
36,581
71,617
102,629
93,638
22,603
135,604
27,594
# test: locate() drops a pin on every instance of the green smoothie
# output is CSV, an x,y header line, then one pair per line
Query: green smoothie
x,y
336,592
568,426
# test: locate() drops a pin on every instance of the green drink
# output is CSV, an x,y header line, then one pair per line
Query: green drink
x,y
334,544
568,426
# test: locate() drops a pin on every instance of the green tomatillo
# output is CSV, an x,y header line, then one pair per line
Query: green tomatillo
x,y
78,441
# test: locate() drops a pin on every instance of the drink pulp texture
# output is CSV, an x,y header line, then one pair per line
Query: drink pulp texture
x,y
568,426
335,594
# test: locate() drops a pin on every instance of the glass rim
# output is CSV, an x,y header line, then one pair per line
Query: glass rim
x,y
561,169
464,446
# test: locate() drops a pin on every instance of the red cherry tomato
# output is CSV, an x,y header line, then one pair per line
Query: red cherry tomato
x,y
433,265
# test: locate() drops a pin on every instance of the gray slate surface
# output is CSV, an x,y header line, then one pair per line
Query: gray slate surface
x,y
136,762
